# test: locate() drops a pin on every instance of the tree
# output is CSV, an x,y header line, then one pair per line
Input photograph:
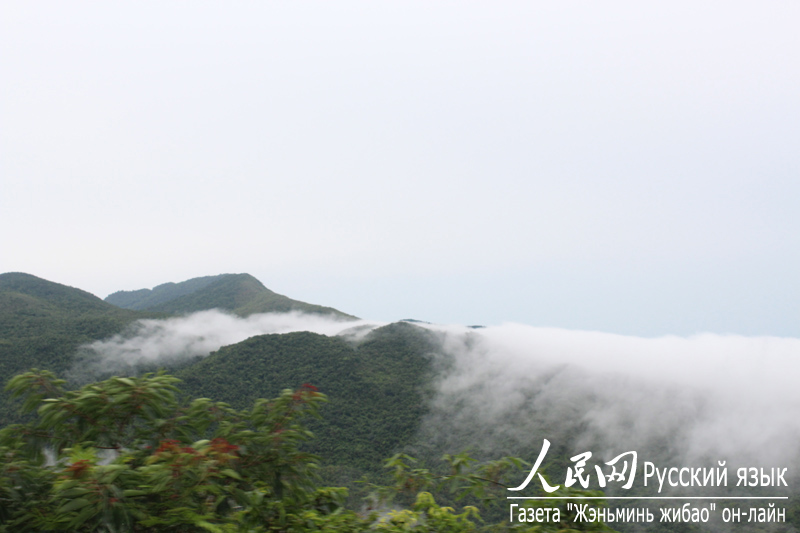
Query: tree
x,y
125,455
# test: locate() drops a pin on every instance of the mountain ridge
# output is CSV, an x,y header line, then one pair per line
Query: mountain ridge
x,y
72,298
43,323
241,294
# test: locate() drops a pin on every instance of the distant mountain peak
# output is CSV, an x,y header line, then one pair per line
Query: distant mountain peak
x,y
241,294
166,292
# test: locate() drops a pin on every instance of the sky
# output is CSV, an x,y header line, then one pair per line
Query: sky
x,y
624,167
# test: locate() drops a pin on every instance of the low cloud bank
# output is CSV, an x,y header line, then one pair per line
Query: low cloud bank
x,y
167,341
687,401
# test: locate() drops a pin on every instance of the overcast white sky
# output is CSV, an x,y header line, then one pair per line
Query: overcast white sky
x,y
629,167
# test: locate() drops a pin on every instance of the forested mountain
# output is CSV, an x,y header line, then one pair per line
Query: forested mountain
x,y
43,323
376,384
166,292
376,388
241,294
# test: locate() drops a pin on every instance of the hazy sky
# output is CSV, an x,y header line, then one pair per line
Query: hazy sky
x,y
628,167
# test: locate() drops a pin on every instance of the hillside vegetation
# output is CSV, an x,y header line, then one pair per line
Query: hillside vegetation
x,y
376,388
127,455
241,294
43,323
376,385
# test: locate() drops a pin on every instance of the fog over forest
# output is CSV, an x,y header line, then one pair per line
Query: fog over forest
x,y
687,400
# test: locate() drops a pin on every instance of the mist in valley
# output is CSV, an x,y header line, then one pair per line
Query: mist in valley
x,y
678,401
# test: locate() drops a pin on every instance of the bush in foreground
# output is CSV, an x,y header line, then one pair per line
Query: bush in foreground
x,y
123,455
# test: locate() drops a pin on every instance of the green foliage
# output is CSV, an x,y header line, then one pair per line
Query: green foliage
x,y
125,455
42,324
122,455
376,388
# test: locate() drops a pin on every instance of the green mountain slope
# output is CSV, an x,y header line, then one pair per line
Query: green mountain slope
x,y
241,294
42,323
146,298
48,294
376,387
